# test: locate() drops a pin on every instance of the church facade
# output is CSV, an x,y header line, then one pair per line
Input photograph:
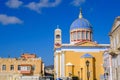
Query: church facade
x,y
82,57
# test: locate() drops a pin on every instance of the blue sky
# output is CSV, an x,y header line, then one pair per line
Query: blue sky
x,y
28,25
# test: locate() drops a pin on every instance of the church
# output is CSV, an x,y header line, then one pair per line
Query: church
x,y
82,57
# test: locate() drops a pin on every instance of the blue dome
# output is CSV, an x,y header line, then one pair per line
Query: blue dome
x,y
81,23
87,56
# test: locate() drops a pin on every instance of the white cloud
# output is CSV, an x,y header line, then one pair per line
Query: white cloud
x,y
78,2
14,3
5,20
42,4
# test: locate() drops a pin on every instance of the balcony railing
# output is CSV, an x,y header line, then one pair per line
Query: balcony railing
x,y
26,69
26,72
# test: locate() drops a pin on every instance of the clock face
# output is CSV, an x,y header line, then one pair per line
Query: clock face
x,y
57,36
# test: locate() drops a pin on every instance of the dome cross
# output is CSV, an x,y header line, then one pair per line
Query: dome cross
x,y
80,15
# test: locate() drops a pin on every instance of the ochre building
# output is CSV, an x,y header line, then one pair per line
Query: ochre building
x,y
27,67
82,58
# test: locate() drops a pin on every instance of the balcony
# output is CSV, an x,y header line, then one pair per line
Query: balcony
x,y
26,69
26,72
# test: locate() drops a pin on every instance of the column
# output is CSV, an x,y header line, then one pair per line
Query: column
x,y
89,36
80,35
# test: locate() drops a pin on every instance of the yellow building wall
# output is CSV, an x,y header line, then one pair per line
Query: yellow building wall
x,y
16,73
84,67
15,62
96,69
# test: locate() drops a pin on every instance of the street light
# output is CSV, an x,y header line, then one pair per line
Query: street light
x,y
87,64
81,73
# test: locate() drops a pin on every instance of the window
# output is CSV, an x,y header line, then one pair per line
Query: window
x,y
87,33
3,67
74,35
25,68
117,38
114,45
28,67
90,35
78,35
33,67
11,67
82,35
71,36
57,36
118,60
19,68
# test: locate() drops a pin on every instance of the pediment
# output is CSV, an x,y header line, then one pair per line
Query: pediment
x,y
116,23
86,43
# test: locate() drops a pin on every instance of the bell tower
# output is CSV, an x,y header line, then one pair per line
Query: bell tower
x,y
57,38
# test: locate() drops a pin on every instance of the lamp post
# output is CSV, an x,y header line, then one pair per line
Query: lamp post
x,y
87,64
81,73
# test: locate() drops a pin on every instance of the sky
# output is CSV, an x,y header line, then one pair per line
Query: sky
x,y
28,25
